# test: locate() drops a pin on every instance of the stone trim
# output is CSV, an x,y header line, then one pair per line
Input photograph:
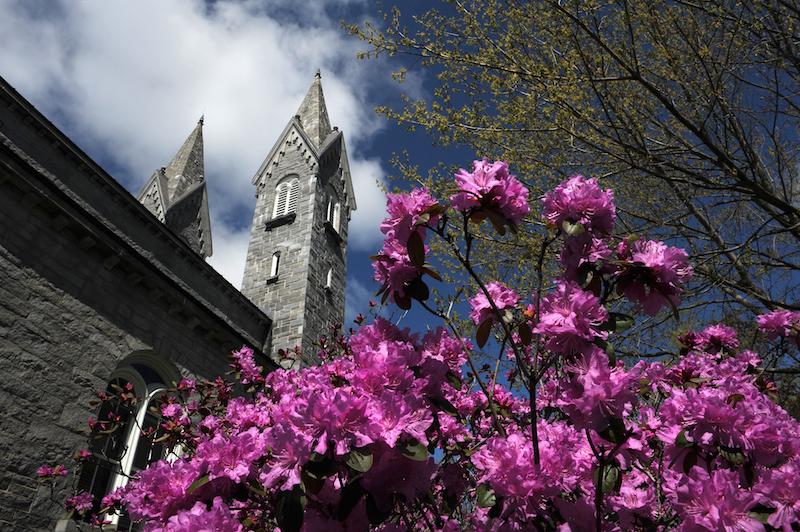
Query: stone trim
x,y
284,219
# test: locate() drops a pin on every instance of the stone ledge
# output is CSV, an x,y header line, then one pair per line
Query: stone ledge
x,y
279,221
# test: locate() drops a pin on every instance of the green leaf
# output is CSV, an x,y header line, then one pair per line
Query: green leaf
x,y
289,510
734,399
433,273
311,483
498,222
453,379
572,228
416,249
482,334
612,478
350,496
485,496
690,460
359,460
761,513
732,455
320,466
200,482
615,432
444,405
682,441
418,290
404,301
416,451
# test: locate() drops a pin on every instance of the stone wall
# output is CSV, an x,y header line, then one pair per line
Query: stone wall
x,y
88,279
282,296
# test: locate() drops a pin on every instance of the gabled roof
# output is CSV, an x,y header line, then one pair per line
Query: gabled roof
x,y
311,155
312,127
182,181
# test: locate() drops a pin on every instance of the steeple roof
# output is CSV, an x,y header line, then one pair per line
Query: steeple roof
x,y
187,167
313,113
176,194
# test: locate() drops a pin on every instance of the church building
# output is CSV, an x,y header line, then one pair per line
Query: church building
x,y
98,287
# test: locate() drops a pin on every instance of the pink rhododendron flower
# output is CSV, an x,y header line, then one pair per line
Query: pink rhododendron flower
x,y
581,200
201,518
593,393
655,274
245,363
404,211
780,323
232,457
169,410
780,488
393,269
571,318
80,502
582,250
713,501
716,338
490,187
45,471
482,310
506,463
392,432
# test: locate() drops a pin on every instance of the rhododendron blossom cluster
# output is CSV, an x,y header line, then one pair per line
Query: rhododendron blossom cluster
x,y
400,431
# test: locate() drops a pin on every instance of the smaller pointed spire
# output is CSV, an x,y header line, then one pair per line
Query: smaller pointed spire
x,y
187,167
314,114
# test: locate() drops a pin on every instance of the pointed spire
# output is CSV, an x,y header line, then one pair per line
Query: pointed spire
x,y
313,113
187,168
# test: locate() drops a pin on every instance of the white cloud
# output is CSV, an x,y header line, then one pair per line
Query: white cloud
x,y
369,186
230,252
130,80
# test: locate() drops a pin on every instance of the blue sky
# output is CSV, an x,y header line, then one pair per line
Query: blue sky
x,y
127,82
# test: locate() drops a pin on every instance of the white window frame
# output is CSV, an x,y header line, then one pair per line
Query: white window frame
x,y
336,216
275,265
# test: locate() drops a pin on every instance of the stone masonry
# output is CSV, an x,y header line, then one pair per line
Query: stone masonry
x,y
94,283
299,298
90,280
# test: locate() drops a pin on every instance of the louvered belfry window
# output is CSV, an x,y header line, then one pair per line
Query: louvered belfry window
x,y
286,195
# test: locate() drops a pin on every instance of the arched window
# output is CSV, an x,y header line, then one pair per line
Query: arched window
x,y
276,262
126,450
286,195
329,278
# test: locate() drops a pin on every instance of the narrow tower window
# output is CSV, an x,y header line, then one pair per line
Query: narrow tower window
x,y
276,260
286,195
329,279
335,220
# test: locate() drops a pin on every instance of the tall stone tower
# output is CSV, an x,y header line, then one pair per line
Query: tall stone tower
x,y
296,260
177,194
